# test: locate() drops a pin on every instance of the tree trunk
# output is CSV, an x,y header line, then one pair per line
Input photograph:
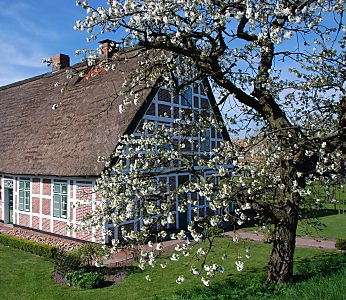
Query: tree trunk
x,y
280,266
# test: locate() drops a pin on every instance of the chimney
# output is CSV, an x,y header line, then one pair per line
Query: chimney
x,y
60,61
108,48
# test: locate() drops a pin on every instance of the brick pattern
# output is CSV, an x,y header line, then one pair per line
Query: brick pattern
x,y
81,211
83,235
47,191
59,227
46,224
35,222
35,205
46,206
36,186
84,193
24,220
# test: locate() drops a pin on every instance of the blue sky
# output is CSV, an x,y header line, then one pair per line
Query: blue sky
x,y
32,29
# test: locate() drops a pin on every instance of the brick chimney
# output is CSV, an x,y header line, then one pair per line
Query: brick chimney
x,y
60,61
108,48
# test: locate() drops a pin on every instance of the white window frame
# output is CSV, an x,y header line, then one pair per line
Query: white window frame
x,y
24,195
59,204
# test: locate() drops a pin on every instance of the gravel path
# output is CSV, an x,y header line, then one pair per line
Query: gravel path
x,y
304,241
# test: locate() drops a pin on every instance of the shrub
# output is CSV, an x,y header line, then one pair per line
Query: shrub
x,y
28,246
91,254
84,279
340,244
66,262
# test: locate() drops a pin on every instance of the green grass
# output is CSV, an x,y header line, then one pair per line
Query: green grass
x,y
26,276
334,226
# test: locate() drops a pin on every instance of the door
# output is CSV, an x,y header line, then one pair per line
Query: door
x,y
10,206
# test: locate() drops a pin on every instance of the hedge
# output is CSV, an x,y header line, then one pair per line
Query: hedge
x,y
28,246
340,244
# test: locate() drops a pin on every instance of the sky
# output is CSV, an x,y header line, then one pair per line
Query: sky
x,y
33,29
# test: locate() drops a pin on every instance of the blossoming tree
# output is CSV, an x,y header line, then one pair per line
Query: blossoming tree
x,y
278,65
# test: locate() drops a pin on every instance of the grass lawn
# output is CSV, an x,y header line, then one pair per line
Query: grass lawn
x,y
334,227
319,273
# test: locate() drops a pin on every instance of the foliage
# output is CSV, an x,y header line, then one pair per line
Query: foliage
x,y
67,262
91,254
280,68
29,246
84,279
340,244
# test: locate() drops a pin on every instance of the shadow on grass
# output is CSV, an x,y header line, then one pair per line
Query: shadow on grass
x,y
326,264
252,285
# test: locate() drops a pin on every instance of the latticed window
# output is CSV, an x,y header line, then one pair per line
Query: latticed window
x,y
186,97
60,200
24,195
205,140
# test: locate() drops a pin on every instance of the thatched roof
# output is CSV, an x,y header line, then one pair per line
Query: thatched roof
x,y
37,140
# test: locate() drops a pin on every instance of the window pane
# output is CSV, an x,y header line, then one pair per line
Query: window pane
x,y
64,188
64,206
27,200
56,205
27,185
21,184
56,188
186,98
21,200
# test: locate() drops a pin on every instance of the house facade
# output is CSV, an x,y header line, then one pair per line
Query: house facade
x,y
50,142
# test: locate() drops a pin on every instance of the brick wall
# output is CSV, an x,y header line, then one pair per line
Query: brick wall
x,y
47,187
23,220
46,224
35,205
35,222
82,210
60,227
46,206
36,186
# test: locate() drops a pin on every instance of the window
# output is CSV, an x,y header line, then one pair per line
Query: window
x,y
60,195
24,195
205,140
186,98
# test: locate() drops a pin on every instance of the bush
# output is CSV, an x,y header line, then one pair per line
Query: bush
x,y
340,244
84,279
67,262
91,254
28,246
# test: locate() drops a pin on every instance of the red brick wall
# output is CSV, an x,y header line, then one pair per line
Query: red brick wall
x,y
82,235
46,224
36,205
35,222
23,220
47,187
36,186
59,227
46,205
82,210
84,193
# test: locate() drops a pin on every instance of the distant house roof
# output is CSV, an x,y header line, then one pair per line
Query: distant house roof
x,y
37,140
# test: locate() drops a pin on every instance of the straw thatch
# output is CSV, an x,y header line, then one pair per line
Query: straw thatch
x,y
37,140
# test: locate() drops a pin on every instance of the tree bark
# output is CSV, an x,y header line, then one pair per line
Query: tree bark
x,y
280,266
